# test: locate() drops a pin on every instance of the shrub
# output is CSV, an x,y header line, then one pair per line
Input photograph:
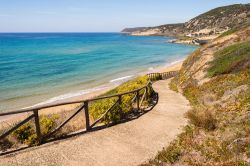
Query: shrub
x,y
202,118
173,85
47,123
191,93
5,144
26,133
113,116
97,108
171,154
23,132
167,155
31,140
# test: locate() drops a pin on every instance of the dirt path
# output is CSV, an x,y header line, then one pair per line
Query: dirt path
x,y
130,143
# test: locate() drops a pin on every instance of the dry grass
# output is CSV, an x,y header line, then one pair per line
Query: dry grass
x,y
219,128
202,118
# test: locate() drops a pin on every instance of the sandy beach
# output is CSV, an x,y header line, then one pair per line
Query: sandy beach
x,y
172,67
70,107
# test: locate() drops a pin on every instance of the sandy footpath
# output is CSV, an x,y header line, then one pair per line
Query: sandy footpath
x,y
130,143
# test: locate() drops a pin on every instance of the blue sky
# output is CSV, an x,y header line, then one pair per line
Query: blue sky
x,y
98,15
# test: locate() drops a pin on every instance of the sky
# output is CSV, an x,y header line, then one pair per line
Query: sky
x,y
98,15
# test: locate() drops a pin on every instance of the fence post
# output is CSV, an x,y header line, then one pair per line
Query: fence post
x,y
86,110
38,129
138,100
150,89
120,105
120,102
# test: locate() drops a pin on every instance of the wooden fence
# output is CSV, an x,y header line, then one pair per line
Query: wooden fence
x,y
140,95
162,76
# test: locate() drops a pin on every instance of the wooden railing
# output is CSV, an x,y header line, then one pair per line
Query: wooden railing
x,y
85,104
140,95
162,76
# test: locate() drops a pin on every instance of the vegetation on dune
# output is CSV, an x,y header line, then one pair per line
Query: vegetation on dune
x,y
230,59
97,108
218,133
229,32
173,86
26,133
219,122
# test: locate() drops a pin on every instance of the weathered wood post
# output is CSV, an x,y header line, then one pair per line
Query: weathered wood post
x,y
138,100
150,89
86,110
120,105
38,129
146,94
120,102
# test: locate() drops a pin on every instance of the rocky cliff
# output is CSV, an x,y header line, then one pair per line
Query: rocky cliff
x,y
219,20
206,26
166,30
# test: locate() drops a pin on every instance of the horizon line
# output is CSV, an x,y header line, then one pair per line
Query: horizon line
x,y
65,32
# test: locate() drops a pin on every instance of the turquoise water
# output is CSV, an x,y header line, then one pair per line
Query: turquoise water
x,y
42,67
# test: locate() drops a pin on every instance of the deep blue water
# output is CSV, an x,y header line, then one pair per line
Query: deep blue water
x,y
37,66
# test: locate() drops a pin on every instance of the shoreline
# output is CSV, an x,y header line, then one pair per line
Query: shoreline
x,y
62,81
53,110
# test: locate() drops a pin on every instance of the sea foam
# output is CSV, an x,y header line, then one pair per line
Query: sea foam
x,y
112,83
71,95
121,79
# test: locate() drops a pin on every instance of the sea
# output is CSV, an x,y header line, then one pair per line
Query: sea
x,y
41,68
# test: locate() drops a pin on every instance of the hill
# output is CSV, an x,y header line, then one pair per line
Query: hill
x,y
206,26
216,81
220,20
129,30
167,30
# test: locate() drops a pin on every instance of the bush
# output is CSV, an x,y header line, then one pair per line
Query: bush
x,y
31,140
97,108
202,118
192,93
23,132
27,133
171,154
173,85
5,144
47,123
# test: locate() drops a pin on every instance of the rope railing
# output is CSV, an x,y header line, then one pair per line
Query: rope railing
x,y
140,95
